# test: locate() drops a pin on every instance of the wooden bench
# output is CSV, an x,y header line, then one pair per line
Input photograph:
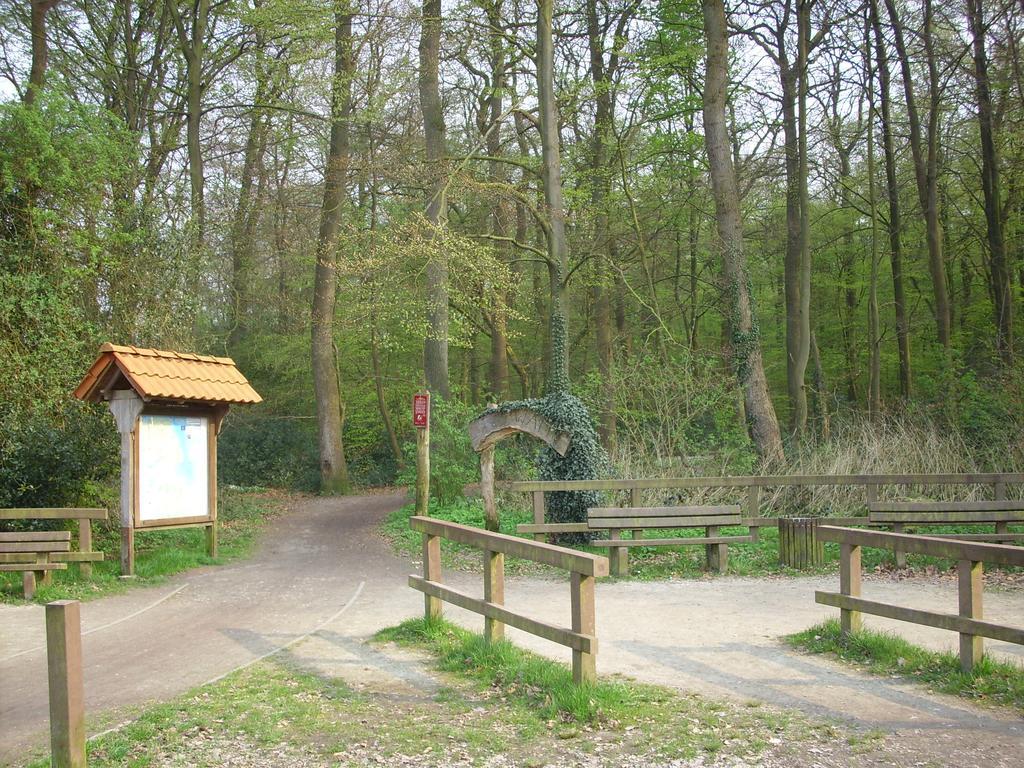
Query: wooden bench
x,y
79,549
899,514
31,552
615,520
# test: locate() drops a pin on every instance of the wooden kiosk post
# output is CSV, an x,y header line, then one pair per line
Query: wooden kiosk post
x,y
169,407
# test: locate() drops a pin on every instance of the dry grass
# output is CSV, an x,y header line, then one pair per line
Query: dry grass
x,y
894,445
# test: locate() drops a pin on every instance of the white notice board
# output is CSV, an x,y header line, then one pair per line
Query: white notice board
x,y
173,468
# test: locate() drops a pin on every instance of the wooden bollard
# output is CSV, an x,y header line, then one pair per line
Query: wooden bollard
x,y
67,705
798,545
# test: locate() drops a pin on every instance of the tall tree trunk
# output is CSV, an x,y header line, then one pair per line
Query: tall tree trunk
x,y
40,49
798,329
435,346
243,243
602,78
557,245
333,469
1002,292
893,198
498,361
926,162
744,342
192,40
874,334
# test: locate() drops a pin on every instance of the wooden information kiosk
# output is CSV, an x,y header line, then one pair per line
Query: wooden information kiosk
x,y
169,407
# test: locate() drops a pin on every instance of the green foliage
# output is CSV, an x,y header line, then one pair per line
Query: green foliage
x,y
270,452
887,654
67,458
453,463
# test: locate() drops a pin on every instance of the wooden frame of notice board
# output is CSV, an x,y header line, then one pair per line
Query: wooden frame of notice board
x,y
137,513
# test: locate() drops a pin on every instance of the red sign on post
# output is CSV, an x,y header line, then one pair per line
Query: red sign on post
x,y
421,410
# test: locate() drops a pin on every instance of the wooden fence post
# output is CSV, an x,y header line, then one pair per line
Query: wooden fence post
x,y
754,509
635,500
85,545
423,470
584,665
999,494
67,706
970,578
431,572
538,514
494,592
849,584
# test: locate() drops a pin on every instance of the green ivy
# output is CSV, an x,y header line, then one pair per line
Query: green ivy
x,y
585,460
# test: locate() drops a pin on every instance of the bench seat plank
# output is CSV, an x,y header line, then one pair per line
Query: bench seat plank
x,y
70,513
924,517
36,546
677,541
76,557
947,506
28,566
656,512
35,536
665,522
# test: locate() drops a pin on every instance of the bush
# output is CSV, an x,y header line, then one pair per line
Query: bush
x,y
69,458
453,462
269,451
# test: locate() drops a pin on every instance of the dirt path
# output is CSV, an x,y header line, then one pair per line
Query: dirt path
x,y
324,570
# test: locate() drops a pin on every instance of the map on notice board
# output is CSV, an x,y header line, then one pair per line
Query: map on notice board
x,y
173,467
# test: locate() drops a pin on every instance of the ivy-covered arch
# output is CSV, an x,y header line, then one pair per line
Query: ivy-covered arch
x,y
572,450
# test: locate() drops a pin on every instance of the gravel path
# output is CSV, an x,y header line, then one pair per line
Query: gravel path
x,y
324,581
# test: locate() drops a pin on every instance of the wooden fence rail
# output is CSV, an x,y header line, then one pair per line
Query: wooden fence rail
x,y
582,567
969,555
752,485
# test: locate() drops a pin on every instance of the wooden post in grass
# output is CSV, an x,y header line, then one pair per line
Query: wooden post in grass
x,y
432,572
494,592
970,578
753,509
849,584
67,706
584,665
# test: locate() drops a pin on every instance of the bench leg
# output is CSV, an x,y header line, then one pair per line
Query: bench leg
x,y
28,583
1002,529
618,557
901,557
44,577
717,555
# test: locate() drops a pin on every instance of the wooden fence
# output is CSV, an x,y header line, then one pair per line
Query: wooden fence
x,y
582,567
750,487
969,556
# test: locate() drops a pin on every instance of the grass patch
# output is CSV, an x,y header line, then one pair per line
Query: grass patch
x,y
882,653
241,516
753,559
675,725
500,706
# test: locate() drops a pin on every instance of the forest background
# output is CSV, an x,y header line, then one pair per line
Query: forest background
x,y
358,198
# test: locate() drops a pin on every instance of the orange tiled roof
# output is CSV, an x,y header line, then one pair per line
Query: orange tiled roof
x,y
161,375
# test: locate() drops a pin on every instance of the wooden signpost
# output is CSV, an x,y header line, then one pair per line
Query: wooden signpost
x,y
421,420
169,408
